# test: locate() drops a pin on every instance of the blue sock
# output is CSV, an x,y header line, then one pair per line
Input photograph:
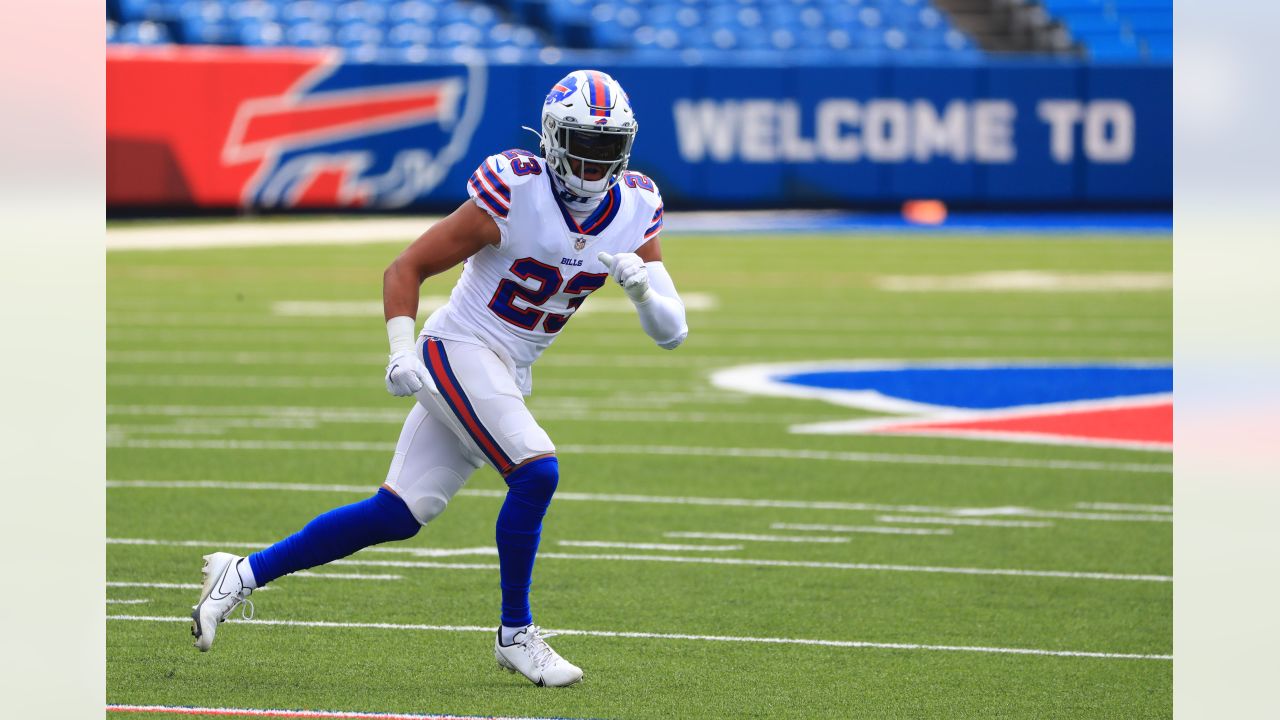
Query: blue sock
x,y
337,534
529,491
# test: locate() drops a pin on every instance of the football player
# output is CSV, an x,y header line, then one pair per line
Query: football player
x,y
538,235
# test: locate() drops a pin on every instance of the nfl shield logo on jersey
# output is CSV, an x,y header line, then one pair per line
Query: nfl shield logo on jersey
x,y
579,243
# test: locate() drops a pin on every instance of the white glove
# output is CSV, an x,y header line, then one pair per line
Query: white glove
x,y
406,374
628,270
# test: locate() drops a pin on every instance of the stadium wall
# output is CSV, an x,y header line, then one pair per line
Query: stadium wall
x,y
210,127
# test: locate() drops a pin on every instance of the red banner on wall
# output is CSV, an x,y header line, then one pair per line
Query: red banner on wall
x,y
172,115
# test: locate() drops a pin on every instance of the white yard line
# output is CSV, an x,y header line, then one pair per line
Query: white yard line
x,y
859,529
1027,281
1125,507
1070,575
646,546
369,359
746,562
693,301
670,636
240,544
622,498
669,450
974,522
315,714
123,601
756,538
345,576
1065,514
165,585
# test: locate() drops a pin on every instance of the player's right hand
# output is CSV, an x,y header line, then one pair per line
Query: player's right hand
x,y
406,374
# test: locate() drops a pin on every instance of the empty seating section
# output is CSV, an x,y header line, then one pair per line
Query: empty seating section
x,y
368,27
660,27
693,29
1118,29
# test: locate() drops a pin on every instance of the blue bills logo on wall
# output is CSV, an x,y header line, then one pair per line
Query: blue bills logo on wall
x,y
1126,405
357,135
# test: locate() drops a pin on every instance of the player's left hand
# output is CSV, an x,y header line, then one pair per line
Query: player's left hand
x,y
628,270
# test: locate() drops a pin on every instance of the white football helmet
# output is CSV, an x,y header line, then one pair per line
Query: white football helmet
x,y
587,129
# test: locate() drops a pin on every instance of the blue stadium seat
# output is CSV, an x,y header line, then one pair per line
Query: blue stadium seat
x,y
306,11
415,11
358,34
144,32
409,34
370,13
459,34
697,30
308,34
257,33
252,10
152,10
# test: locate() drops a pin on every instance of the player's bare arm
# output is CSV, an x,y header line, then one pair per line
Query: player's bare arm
x,y
445,244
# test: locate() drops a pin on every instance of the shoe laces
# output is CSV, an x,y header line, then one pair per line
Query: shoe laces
x,y
243,602
538,649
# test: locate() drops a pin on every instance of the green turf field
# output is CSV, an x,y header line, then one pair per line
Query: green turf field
x,y
211,383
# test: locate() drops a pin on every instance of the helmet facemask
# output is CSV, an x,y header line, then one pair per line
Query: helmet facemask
x,y
588,159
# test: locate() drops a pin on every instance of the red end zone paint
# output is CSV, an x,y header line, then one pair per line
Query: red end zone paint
x,y
1152,424
259,712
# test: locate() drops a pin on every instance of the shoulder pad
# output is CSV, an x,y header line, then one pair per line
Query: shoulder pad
x,y
642,186
516,167
495,177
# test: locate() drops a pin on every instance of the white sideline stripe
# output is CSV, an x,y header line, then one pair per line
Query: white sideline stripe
x,y
668,450
961,521
1026,281
255,234
138,601
609,497
779,563
756,538
673,636
1124,507
645,546
317,714
860,529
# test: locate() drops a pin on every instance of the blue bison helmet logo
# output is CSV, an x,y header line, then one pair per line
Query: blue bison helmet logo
x,y
562,90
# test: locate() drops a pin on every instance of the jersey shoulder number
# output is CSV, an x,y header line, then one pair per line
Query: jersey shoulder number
x,y
647,190
493,181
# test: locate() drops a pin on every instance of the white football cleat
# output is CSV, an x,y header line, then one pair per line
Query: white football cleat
x,y
222,592
531,656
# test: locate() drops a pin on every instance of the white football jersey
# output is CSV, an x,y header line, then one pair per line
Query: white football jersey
x,y
517,296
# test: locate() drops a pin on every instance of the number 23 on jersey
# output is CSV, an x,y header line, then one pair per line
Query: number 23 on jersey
x,y
549,281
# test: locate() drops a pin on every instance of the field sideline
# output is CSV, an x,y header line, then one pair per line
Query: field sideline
x,y
700,560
